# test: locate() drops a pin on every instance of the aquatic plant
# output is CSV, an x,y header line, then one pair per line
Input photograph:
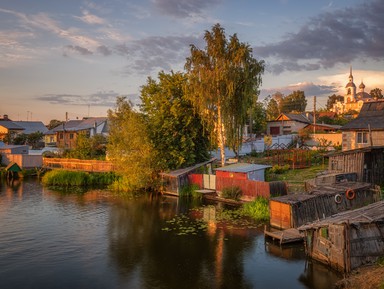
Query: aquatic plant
x,y
257,209
189,190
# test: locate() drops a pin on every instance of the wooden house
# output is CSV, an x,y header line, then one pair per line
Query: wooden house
x,y
367,162
294,210
287,123
67,133
347,240
367,129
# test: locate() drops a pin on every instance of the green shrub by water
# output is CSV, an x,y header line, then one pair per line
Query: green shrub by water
x,y
80,179
233,193
258,209
190,191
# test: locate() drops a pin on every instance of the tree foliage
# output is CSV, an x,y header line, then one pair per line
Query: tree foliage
x,y
222,81
333,99
88,147
130,148
54,123
271,108
376,93
294,102
176,130
258,118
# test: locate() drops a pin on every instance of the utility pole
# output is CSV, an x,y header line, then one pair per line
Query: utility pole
x,y
314,114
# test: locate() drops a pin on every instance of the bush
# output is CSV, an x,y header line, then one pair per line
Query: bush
x,y
233,193
276,169
258,209
65,178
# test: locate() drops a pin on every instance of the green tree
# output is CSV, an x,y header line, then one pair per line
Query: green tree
x,y
222,81
272,109
18,139
333,99
258,118
130,148
35,140
294,102
376,93
176,130
54,123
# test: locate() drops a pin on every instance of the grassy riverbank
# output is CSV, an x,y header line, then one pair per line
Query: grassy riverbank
x,y
63,178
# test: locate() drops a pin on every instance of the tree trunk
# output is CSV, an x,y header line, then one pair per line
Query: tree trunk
x,y
221,135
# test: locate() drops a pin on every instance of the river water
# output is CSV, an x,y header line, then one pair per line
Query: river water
x,y
50,239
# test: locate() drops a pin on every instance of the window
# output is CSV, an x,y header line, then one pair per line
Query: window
x,y
71,136
362,137
61,135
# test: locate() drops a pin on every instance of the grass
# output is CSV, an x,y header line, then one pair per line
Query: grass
x,y
296,178
257,209
63,178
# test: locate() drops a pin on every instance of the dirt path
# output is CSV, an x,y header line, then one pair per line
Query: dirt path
x,y
369,277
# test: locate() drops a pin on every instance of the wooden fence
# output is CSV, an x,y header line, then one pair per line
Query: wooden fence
x,y
295,158
78,165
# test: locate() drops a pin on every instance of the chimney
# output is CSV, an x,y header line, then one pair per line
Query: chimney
x,y
5,117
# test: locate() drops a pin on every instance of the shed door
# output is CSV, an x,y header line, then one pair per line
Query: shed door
x,y
209,182
280,215
337,251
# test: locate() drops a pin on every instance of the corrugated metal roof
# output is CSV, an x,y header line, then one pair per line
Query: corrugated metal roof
x,y
32,126
10,125
78,125
243,168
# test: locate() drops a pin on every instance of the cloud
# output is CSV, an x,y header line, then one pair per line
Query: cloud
x,y
155,52
104,50
309,88
90,18
80,50
334,37
101,98
184,8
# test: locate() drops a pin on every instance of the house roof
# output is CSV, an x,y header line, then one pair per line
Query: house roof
x,y
367,214
243,168
78,125
32,126
180,172
371,116
10,125
295,117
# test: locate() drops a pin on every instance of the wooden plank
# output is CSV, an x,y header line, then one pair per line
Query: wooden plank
x,y
280,215
286,236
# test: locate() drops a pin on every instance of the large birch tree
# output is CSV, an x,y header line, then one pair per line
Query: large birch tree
x,y
223,80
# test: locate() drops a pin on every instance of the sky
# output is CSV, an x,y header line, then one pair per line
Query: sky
x,y
76,56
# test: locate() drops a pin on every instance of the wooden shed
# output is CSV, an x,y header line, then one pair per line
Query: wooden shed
x,y
248,177
367,162
349,239
172,182
243,171
292,211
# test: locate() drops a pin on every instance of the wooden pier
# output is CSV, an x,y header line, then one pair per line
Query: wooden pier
x,y
284,236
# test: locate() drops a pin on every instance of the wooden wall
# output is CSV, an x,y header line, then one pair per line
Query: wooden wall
x,y
80,165
250,188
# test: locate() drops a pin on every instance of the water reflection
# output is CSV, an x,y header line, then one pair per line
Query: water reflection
x,y
99,240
